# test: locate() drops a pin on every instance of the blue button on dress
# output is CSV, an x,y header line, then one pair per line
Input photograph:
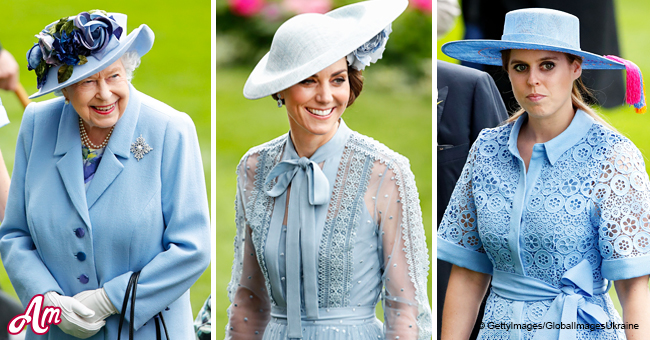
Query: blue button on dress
x,y
321,240
553,236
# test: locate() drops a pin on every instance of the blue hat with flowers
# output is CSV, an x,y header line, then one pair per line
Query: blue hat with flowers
x,y
548,30
309,43
74,48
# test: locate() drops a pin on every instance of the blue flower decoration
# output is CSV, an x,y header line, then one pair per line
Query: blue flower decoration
x,y
69,41
34,57
369,52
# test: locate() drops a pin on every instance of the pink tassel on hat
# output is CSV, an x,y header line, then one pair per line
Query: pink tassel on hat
x,y
635,93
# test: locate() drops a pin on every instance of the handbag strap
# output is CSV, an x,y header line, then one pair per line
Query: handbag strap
x,y
136,276
130,291
158,335
162,320
124,305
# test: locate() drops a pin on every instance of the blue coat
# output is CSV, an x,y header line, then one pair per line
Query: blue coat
x,y
149,215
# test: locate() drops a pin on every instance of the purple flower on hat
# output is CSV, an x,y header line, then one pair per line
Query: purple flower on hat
x,y
45,42
370,51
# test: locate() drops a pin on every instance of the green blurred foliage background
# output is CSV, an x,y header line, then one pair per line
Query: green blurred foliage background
x,y
633,30
394,108
243,40
175,71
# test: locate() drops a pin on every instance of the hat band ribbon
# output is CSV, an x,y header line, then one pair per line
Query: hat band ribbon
x,y
529,38
568,300
309,188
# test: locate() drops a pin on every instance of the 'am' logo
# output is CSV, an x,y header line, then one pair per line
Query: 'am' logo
x,y
39,321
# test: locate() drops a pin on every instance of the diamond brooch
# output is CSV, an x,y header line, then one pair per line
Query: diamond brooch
x,y
140,148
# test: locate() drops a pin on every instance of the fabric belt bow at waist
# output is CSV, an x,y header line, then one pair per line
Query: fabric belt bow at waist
x,y
569,300
309,188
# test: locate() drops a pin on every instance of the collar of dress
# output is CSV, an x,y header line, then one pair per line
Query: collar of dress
x,y
326,150
554,148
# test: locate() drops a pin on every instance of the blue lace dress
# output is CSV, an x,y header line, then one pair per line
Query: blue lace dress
x,y
552,237
321,240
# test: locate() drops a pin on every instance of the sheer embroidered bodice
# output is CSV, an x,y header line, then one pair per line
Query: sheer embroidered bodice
x,y
320,240
552,236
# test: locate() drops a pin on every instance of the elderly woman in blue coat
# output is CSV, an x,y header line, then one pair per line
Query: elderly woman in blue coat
x,y
107,182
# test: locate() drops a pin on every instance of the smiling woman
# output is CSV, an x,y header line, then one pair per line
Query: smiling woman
x,y
315,105
328,220
100,101
107,191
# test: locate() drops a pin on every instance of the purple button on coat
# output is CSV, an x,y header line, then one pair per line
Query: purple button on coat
x,y
79,232
83,278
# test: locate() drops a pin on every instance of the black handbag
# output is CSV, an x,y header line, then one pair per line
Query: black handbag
x,y
130,290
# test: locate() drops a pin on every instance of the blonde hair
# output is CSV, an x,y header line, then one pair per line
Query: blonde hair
x,y
577,99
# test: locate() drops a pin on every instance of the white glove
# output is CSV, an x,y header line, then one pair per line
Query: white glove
x,y
98,301
74,315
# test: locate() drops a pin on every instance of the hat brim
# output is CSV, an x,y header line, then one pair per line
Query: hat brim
x,y
377,14
140,40
488,52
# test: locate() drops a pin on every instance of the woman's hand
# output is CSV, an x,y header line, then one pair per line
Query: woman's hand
x,y
465,292
74,316
8,71
635,300
98,302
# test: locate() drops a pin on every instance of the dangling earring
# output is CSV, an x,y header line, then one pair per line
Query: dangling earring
x,y
279,102
67,101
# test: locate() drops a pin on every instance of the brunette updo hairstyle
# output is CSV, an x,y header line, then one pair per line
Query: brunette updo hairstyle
x,y
578,92
355,78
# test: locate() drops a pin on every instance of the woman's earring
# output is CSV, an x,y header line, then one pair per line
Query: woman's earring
x,y
67,101
279,102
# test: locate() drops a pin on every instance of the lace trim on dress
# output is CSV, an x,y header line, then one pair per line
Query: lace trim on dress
x,y
261,206
337,243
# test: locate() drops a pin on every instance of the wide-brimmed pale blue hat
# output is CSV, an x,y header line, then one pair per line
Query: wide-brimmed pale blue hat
x,y
547,30
530,29
83,44
308,43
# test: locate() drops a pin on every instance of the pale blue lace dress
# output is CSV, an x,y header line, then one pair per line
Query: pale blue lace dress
x,y
315,264
553,236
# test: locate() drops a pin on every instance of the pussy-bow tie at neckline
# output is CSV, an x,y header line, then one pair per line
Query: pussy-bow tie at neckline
x,y
310,188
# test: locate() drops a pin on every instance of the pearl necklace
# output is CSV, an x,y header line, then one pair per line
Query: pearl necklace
x,y
86,141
